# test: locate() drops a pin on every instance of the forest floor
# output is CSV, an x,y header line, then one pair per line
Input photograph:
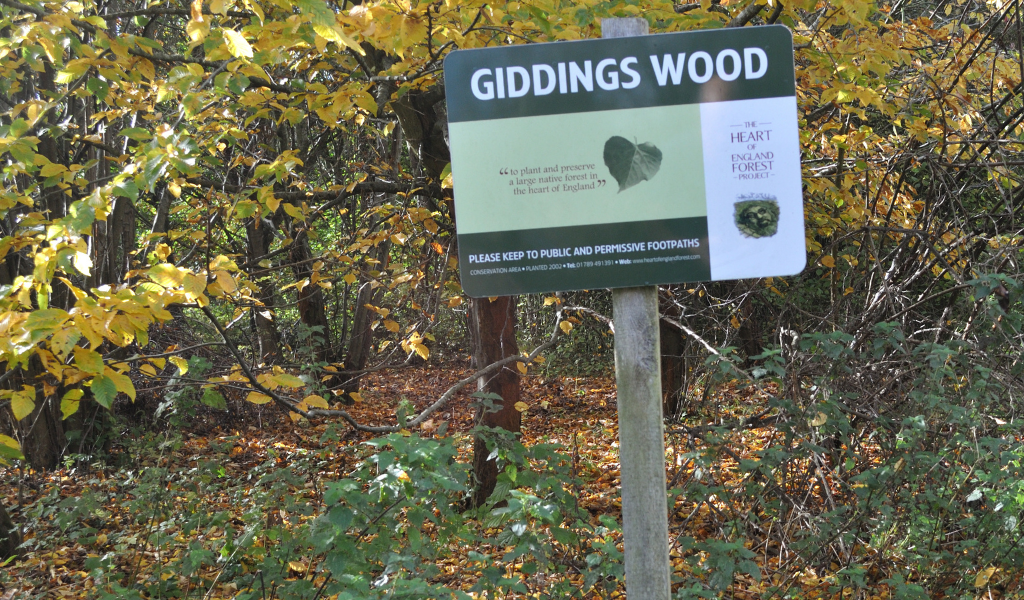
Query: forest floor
x,y
81,514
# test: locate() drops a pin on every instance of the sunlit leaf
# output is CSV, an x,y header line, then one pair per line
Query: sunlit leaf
x,y
237,45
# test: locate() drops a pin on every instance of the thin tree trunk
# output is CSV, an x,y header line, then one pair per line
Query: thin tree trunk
x,y
312,301
10,537
361,341
362,337
43,434
672,374
258,240
494,324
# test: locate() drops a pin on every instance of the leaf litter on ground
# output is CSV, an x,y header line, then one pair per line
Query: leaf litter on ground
x,y
109,523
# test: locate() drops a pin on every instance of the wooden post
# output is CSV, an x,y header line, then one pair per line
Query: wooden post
x,y
641,429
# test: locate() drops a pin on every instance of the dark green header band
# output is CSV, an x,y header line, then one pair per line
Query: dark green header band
x,y
583,257
610,74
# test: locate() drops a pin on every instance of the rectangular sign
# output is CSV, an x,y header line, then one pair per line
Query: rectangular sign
x,y
625,162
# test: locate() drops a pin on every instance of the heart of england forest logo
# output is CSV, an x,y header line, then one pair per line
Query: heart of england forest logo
x,y
757,215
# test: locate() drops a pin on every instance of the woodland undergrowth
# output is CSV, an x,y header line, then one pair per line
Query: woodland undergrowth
x,y
788,478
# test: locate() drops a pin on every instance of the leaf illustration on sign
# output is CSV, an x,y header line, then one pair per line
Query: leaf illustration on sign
x,y
630,163
757,215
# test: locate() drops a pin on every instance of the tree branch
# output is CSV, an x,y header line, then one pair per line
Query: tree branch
x,y
449,394
746,14
159,11
685,8
292,406
40,13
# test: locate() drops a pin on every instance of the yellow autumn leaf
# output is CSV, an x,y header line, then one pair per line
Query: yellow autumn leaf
x,y
237,46
828,261
273,202
522,406
257,398
122,382
391,325
356,396
179,362
11,448
565,326
166,275
225,281
197,30
82,263
315,401
70,402
52,169
983,577
422,350
522,367
333,33
23,402
817,420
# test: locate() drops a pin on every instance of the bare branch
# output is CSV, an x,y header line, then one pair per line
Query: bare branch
x,y
746,14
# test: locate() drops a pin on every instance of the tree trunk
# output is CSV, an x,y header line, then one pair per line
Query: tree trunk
x,y
672,370
258,239
494,324
312,302
10,537
361,340
359,343
43,434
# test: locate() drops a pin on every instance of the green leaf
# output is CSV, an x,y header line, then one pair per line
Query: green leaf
x,y
104,390
89,361
238,83
127,189
340,517
289,380
80,217
137,133
563,536
23,151
245,209
214,399
629,163
18,128
45,320
98,87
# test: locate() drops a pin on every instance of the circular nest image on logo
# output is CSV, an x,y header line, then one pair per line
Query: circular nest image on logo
x,y
757,215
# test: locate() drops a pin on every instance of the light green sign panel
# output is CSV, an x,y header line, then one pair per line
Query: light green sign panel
x,y
624,162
